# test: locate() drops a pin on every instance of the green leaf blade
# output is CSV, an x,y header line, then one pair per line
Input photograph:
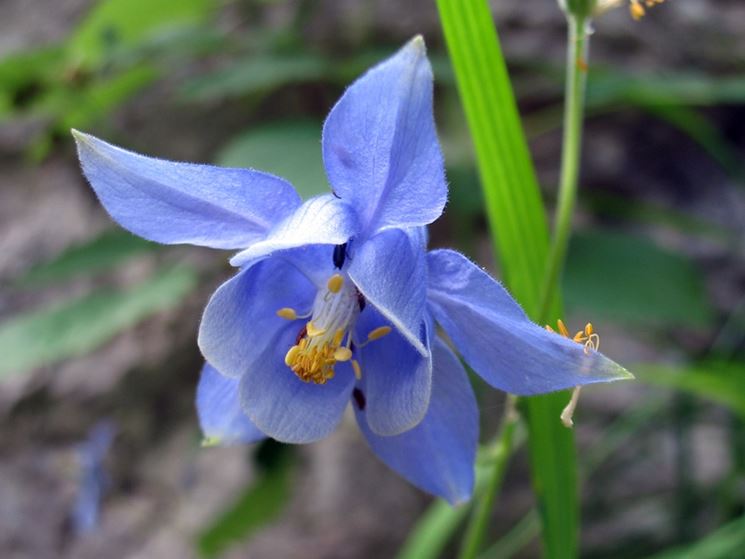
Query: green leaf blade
x,y
520,233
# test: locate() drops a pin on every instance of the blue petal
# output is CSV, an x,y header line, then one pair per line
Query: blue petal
x,y
396,379
220,414
380,145
171,202
499,341
390,270
240,318
321,220
437,455
283,406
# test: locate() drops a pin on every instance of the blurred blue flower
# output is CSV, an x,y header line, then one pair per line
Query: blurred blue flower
x,y
92,479
336,298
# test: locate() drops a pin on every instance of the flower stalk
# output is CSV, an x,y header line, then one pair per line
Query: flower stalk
x,y
574,107
502,451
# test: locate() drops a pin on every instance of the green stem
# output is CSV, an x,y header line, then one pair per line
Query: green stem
x,y
574,106
472,541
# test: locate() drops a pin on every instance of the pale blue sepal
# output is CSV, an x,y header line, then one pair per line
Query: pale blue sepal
x,y
499,341
221,418
171,202
380,145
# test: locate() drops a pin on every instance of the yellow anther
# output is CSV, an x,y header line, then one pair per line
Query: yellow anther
x,y
379,332
562,329
588,329
287,313
335,283
312,331
342,354
291,355
637,10
357,369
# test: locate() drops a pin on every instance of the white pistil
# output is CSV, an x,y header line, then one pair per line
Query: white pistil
x,y
567,414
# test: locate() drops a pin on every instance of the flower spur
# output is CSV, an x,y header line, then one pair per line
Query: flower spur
x,y
336,298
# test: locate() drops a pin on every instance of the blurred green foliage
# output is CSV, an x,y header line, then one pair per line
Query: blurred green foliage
x,y
261,502
117,26
629,279
267,148
727,541
75,327
718,381
97,255
105,60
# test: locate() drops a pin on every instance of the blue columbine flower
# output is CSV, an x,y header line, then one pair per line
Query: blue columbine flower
x,y
336,299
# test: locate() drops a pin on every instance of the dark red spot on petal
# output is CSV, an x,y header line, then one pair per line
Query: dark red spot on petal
x,y
359,398
301,334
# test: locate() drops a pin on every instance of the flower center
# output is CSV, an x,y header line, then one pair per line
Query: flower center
x,y
326,338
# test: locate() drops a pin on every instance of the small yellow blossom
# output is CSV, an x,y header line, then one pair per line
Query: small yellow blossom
x,y
638,8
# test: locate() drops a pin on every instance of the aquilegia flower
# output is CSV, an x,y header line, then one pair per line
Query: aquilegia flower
x,y
336,299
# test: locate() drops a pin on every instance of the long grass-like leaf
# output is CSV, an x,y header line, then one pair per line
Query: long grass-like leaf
x,y
520,235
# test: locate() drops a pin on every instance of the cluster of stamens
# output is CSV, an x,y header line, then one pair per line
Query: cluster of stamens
x,y
587,336
326,339
315,363
591,342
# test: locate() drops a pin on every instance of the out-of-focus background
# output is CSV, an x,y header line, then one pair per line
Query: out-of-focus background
x,y
99,446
